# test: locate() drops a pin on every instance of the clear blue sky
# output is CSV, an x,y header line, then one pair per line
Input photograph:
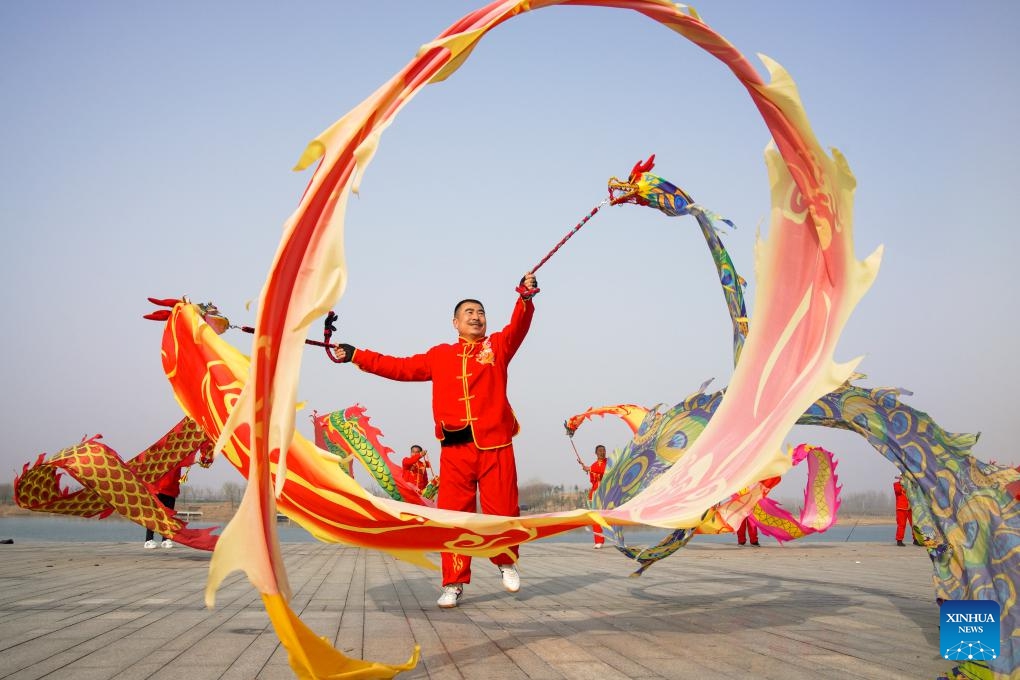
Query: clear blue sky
x,y
147,150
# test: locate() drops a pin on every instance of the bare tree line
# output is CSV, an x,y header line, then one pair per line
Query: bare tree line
x,y
539,496
857,504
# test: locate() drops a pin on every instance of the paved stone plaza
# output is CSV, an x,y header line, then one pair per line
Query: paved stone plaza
x,y
92,611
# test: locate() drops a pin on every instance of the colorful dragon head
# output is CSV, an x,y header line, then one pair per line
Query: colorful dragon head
x,y
644,188
210,313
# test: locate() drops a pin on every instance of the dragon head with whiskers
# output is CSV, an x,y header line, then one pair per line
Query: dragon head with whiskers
x,y
644,188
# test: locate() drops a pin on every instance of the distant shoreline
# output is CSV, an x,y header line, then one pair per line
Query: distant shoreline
x,y
223,511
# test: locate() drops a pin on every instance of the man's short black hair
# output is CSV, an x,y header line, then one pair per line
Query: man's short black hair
x,y
416,446
464,302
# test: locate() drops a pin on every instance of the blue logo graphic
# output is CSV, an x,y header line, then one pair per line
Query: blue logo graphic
x,y
969,630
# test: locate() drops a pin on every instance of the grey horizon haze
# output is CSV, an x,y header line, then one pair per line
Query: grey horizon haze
x,y
147,152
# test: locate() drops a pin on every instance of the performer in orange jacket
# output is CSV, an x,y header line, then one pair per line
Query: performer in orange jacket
x,y
902,511
474,421
595,472
414,468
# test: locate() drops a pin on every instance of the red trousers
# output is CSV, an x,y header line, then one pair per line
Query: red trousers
x,y
902,519
494,474
747,529
596,529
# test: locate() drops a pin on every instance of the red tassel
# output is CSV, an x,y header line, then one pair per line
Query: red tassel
x,y
158,315
642,167
164,302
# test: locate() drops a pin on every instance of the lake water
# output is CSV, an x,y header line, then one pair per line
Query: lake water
x,y
57,528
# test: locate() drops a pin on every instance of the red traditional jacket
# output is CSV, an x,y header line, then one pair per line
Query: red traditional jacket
x,y
468,379
414,471
170,483
595,472
902,503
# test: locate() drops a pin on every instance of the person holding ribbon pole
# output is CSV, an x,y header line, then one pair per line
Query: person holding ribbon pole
x,y
595,472
474,421
415,468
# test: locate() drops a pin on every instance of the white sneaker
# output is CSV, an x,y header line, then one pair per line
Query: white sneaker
x,y
150,544
167,543
451,593
511,579
597,546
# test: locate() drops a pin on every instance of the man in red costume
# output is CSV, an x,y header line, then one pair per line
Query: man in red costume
x,y
415,468
474,422
902,511
747,530
168,488
595,472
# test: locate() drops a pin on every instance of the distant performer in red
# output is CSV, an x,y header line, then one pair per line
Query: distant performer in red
x,y
416,468
595,472
1014,488
167,488
747,530
902,510
474,422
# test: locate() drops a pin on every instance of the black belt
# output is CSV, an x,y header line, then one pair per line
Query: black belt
x,y
457,436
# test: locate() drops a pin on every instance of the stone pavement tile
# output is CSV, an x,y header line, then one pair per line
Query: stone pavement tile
x,y
421,630
144,667
497,626
125,651
531,664
190,671
138,671
350,636
434,672
707,660
762,662
41,623
170,626
590,670
558,650
72,673
839,666
221,647
778,644
629,665
278,665
253,620
465,644
392,621
486,671
435,661
504,634
50,653
254,660
649,649
396,652
283,672
858,644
